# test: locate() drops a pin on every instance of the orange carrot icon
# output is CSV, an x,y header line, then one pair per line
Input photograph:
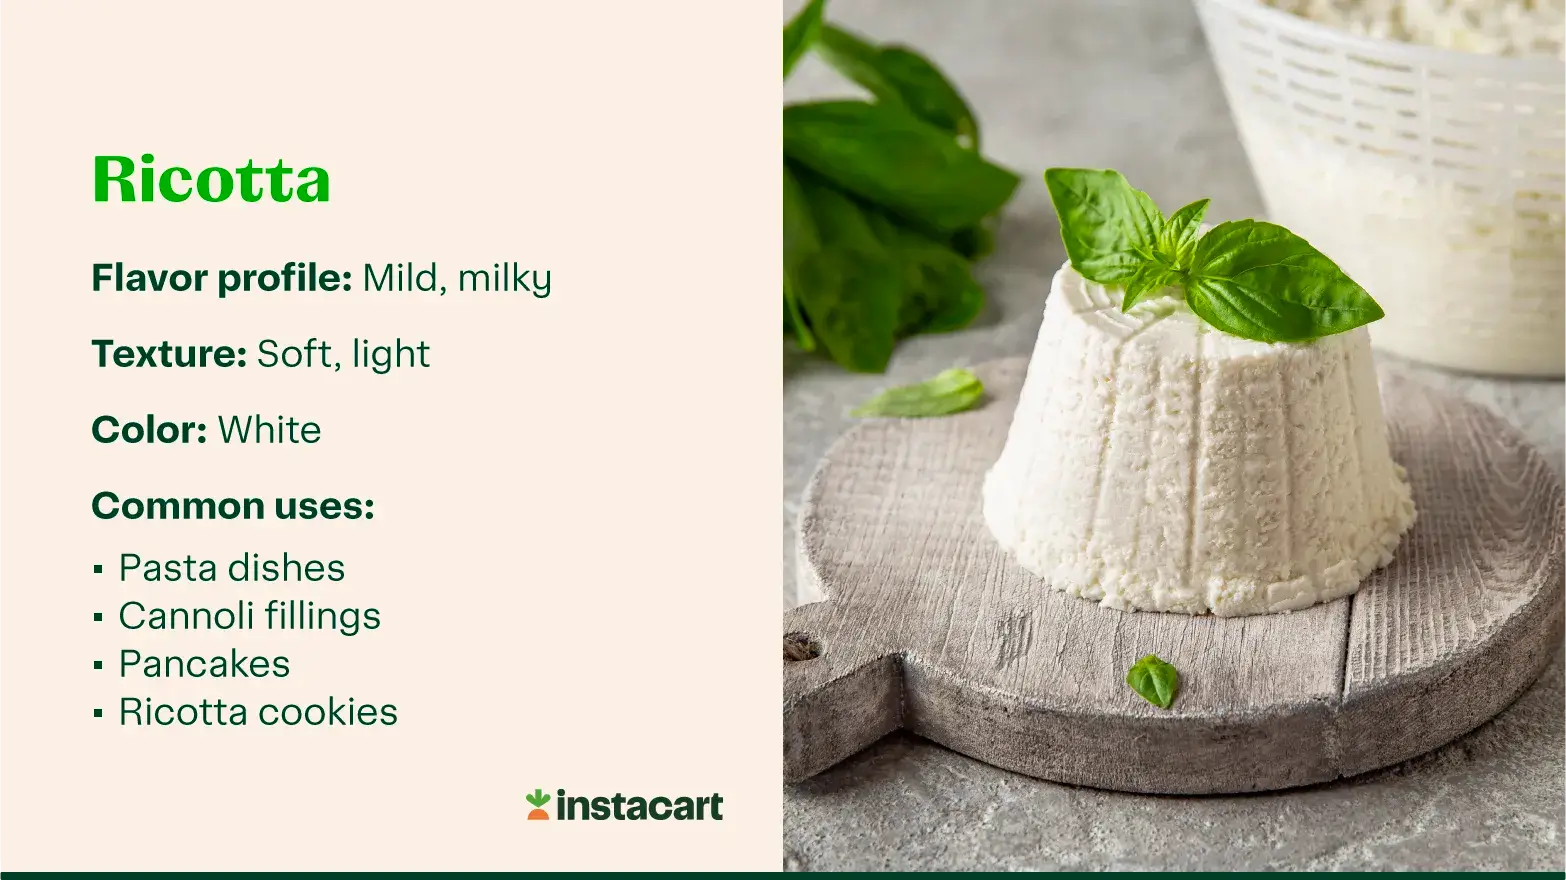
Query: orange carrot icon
x,y
538,799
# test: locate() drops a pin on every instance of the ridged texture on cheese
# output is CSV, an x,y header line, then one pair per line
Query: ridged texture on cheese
x,y
1156,463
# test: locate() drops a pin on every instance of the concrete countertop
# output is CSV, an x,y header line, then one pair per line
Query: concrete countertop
x,y
1129,85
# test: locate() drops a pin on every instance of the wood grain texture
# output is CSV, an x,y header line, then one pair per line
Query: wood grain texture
x,y
928,625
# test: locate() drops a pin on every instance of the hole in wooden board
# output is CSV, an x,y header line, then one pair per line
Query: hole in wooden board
x,y
798,646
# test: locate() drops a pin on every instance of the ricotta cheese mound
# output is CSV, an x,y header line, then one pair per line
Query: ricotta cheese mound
x,y
1155,463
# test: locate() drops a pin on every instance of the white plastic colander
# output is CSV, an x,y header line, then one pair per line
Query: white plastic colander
x,y
1435,178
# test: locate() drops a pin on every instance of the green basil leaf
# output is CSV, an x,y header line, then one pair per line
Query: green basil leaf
x,y
801,33
929,94
854,57
800,240
1260,281
1177,241
794,323
898,75
939,293
977,241
888,157
800,236
952,391
1146,220
949,307
843,279
1156,681
1151,277
1110,229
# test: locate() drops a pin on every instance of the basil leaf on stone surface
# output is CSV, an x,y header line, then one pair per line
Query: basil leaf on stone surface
x,y
799,240
794,323
949,392
975,242
939,294
886,204
848,286
886,156
801,33
899,75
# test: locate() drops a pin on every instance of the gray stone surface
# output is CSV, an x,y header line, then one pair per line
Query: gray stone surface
x,y
1129,85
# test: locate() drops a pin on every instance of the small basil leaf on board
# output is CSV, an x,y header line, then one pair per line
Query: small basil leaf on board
x,y
843,279
1110,229
800,33
1178,239
1260,281
898,75
1154,680
886,156
1151,277
950,392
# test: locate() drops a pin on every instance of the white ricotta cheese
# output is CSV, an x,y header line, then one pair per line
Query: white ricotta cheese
x,y
1470,277
1156,463
1433,179
1490,27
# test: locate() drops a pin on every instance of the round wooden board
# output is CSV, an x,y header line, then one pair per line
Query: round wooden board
x,y
928,625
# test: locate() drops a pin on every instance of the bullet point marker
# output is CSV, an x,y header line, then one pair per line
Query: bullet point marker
x,y
97,664
97,569
97,713
97,615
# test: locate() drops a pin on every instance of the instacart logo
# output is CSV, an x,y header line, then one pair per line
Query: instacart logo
x,y
626,808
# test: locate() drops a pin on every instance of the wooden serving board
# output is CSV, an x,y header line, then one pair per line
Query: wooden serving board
x,y
928,625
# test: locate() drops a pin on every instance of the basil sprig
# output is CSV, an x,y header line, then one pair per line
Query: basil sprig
x,y
1248,278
